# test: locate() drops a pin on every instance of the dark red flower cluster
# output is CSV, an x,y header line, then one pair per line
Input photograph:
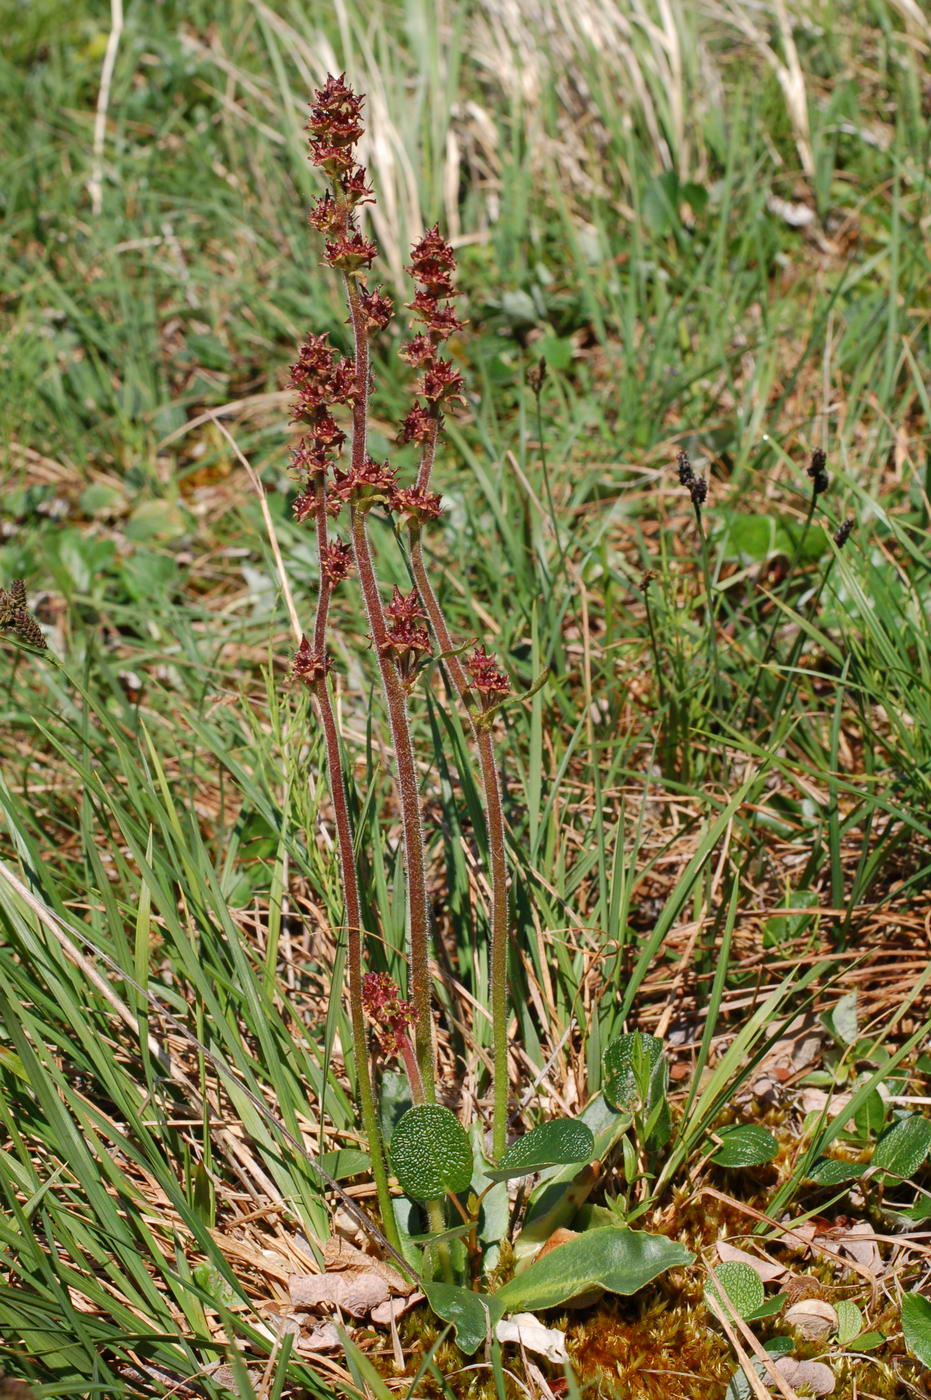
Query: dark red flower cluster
x,y
335,125
414,503
309,665
406,639
371,484
432,266
490,683
391,1017
336,561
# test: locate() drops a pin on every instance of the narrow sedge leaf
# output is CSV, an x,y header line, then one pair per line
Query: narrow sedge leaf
x,y
611,1257
738,1285
916,1326
746,1145
562,1141
473,1315
430,1153
904,1146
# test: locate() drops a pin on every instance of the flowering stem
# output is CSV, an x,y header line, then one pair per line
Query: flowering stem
x,y
494,815
396,699
352,901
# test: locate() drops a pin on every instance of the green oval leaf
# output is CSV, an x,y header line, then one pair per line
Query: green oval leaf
x,y
916,1326
904,1146
634,1071
832,1171
430,1153
745,1145
473,1315
849,1320
553,1144
736,1284
611,1257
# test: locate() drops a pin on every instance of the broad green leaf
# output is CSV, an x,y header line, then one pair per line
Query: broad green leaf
x,y
473,1315
736,1284
770,1308
869,1341
634,1071
871,1114
916,1326
832,1171
612,1257
745,1145
557,1143
904,1146
430,1153
849,1320
842,1020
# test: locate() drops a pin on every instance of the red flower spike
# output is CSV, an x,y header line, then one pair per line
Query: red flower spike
x,y
412,503
433,263
308,665
336,561
491,683
335,113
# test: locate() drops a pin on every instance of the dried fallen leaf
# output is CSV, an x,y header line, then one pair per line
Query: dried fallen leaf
x,y
529,1331
395,1308
339,1253
812,1377
356,1291
812,1318
859,1243
325,1337
765,1268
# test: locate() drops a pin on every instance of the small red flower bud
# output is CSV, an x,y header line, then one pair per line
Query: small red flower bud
x,y
305,505
404,607
490,683
336,561
377,308
324,214
412,503
354,187
335,113
417,426
440,320
309,665
367,485
433,263
417,351
309,459
392,1018
350,252
441,380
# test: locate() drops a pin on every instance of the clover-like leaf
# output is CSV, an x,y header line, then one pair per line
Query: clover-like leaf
x,y
557,1143
473,1315
904,1146
737,1285
430,1153
610,1257
745,1145
916,1326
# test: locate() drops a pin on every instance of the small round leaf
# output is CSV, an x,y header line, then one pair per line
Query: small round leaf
x,y
634,1071
430,1153
737,1285
904,1146
745,1145
561,1141
916,1326
834,1171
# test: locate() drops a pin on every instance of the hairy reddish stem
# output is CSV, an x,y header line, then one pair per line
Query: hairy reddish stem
x,y
494,815
418,907
351,898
